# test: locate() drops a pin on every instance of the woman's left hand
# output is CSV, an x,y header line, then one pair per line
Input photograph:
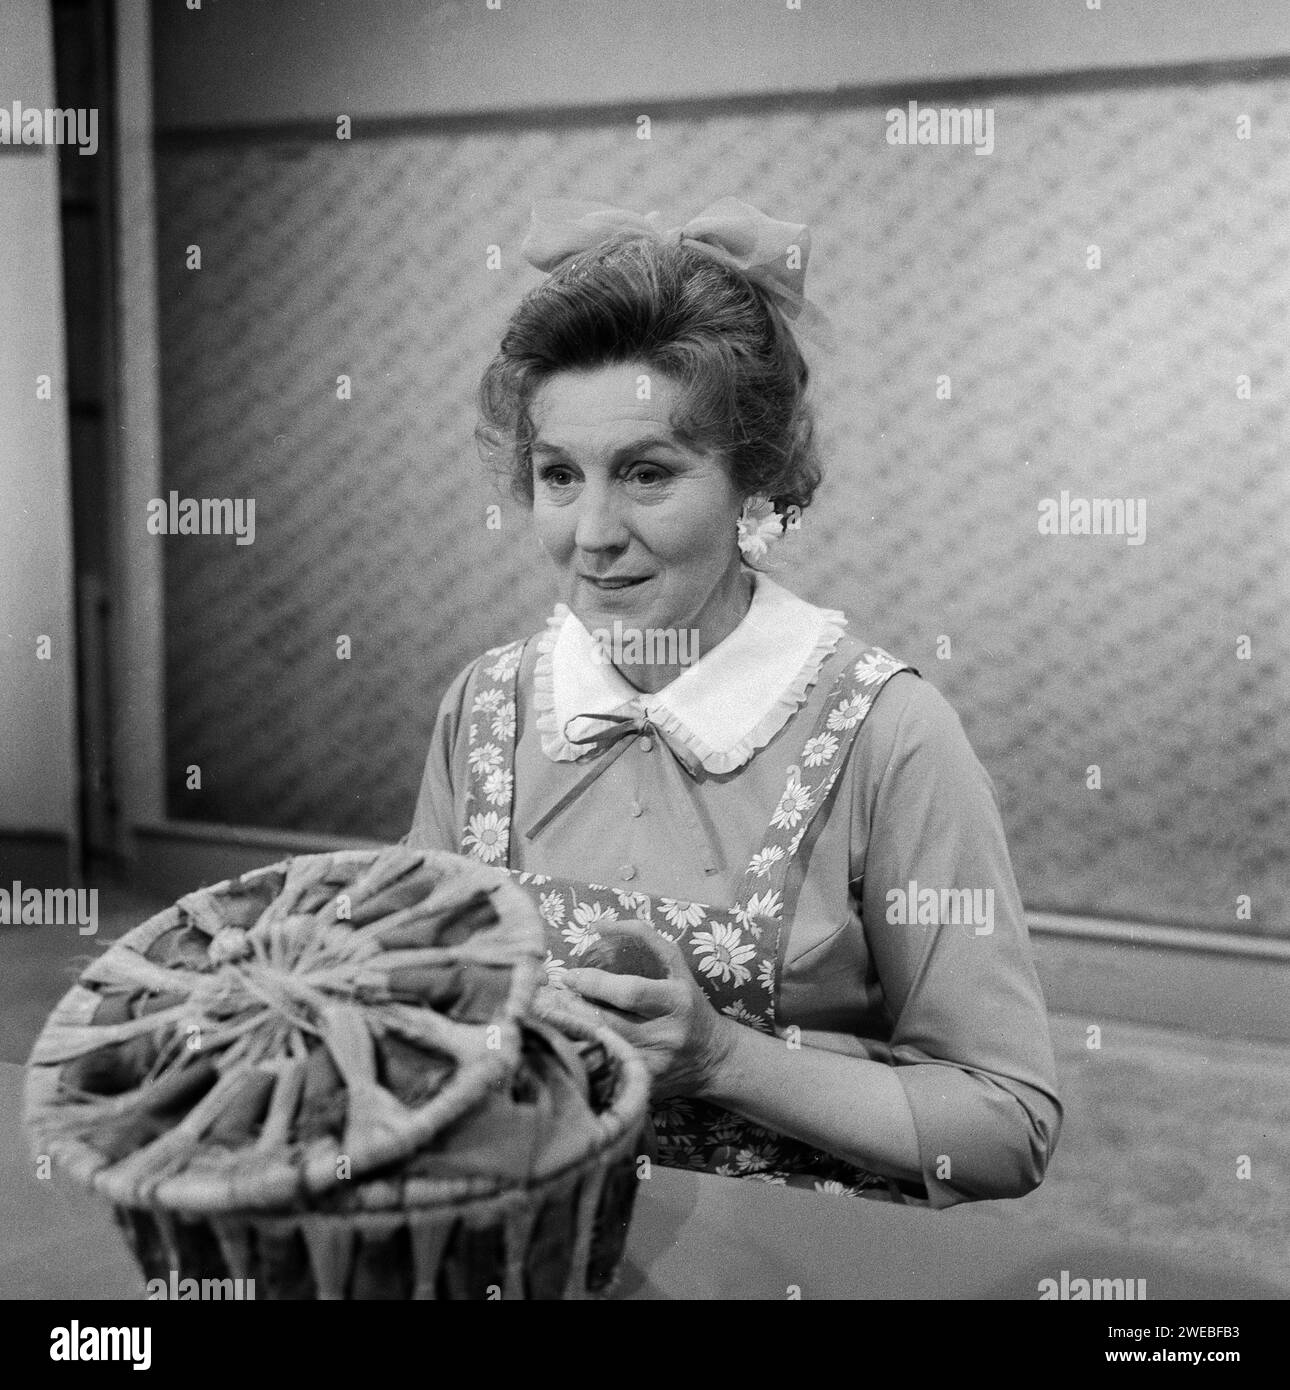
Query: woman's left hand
x,y
680,1036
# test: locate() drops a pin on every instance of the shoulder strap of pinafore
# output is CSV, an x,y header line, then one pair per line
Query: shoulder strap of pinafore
x,y
767,895
491,705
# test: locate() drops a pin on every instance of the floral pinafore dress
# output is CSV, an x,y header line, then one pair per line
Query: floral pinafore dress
x,y
735,952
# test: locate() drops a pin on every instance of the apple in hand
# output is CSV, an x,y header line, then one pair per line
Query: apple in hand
x,y
626,948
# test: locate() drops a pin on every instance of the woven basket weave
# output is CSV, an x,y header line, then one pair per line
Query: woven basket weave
x,y
372,1200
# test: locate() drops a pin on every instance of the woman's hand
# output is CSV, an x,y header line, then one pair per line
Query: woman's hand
x,y
680,1036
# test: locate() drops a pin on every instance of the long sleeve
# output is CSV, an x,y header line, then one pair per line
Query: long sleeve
x,y
436,821
969,1040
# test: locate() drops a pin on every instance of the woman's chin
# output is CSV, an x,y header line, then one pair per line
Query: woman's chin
x,y
630,618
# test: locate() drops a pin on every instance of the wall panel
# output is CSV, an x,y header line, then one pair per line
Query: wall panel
x,y
368,259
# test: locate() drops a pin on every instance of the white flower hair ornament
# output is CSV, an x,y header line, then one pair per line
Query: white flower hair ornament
x,y
759,527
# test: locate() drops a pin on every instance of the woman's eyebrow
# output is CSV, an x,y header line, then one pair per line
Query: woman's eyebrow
x,y
626,451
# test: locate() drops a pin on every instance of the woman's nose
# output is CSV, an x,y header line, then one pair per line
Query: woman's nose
x,y
600,524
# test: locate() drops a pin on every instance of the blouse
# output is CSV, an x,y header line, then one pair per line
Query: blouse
x,y
908,944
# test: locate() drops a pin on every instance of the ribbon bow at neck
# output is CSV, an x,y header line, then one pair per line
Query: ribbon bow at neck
x,y
616,740
771,254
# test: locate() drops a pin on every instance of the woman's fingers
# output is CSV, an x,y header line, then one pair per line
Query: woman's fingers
x,y
631,993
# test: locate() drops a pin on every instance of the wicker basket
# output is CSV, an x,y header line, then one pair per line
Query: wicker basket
x,y
380,1205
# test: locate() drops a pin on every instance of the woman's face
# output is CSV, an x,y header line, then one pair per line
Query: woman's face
x,y
617,495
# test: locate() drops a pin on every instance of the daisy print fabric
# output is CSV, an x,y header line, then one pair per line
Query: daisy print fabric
x,y
733,951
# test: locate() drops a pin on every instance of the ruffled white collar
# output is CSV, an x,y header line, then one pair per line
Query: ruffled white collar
x,y
732,701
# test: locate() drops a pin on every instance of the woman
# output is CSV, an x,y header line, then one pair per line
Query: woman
x,y
796,817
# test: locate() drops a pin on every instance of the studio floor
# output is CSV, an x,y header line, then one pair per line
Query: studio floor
x,y
1157,1121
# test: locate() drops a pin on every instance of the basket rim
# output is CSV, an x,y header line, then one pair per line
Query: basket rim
x,y
618,1125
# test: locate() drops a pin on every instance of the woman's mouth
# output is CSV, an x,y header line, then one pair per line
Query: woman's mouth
x,y
609,585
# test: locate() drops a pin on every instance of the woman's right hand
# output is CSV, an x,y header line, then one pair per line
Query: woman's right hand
x,y
668,1018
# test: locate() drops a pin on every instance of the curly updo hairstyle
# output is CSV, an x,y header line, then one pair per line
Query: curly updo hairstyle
x,y
680,312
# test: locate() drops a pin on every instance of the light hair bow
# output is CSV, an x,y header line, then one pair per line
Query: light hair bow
x,y
772,254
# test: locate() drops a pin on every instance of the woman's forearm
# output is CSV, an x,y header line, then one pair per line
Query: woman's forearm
x,y
849,1106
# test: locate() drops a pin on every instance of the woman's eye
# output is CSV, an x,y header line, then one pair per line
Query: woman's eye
x,y
558,475
555,474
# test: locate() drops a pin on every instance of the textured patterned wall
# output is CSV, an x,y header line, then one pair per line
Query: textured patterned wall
x,y
369,259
